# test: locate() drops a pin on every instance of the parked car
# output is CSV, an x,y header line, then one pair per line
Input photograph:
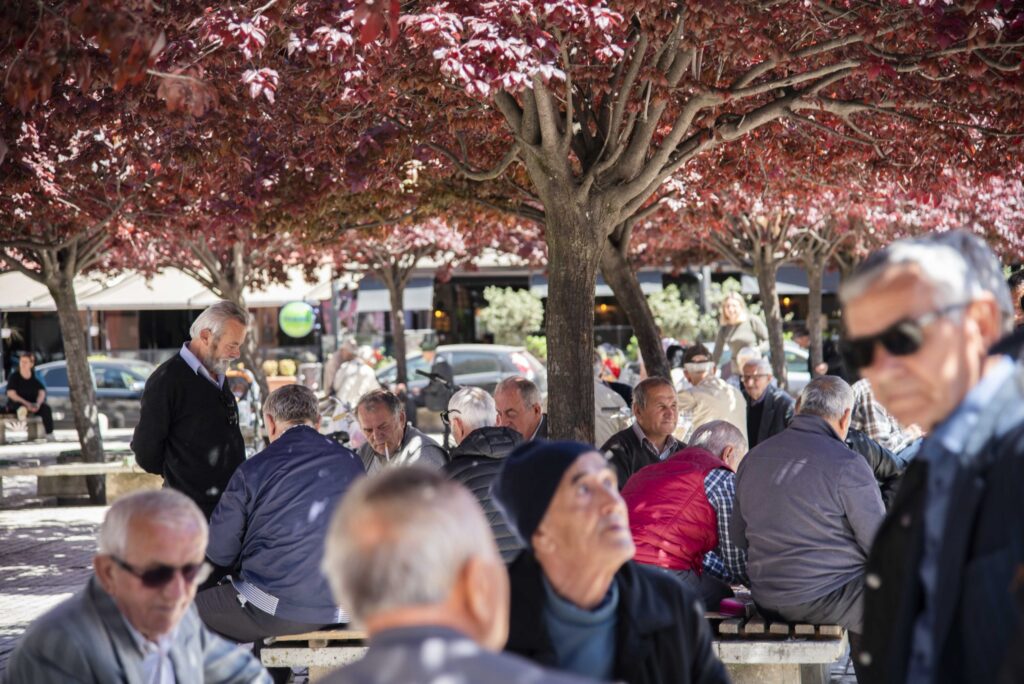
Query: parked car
x,y
796,365
477,365
118,384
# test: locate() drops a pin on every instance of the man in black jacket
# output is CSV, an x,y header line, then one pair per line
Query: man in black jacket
x,y
480,449
649,439
922,316
769,409
188,427
578,602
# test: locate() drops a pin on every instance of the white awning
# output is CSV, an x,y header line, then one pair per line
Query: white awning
x,y
18,292
650,282
792,280
373,296
169,289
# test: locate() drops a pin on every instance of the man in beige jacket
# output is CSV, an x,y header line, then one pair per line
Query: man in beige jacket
x,y
710,397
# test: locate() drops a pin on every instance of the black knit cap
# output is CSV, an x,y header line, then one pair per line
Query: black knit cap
x,y
528,479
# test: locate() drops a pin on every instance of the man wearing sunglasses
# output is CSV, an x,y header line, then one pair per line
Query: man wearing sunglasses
x,y
921,318
134,621
710,398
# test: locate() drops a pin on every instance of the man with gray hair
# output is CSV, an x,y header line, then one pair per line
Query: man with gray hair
x,y
268,529
769,409
520,406
680,511
649,439
480,449
923,320
390,440
188,425
806,511
134,621
410,554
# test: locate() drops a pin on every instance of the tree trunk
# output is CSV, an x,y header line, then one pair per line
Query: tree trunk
x,y
619,274
396,288
815,274
766,268
574,255
80,384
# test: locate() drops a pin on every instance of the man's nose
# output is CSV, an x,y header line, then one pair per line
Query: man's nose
x,y
178,586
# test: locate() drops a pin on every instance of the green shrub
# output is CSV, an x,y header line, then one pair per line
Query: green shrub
x,y
538,346
511,314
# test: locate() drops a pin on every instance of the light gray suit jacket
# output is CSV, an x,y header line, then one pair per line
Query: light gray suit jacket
x,y
85,639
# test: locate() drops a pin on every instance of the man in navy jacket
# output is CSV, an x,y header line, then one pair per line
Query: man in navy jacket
x,y
268,529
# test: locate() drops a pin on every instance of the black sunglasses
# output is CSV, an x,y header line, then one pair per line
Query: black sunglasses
x,y
446,416
157,577
902,338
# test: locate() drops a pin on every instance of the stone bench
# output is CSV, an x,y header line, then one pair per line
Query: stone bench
x,y
33,426
753,650
67,480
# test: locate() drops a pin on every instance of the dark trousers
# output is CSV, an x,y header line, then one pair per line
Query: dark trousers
x,y
844,606
221,610
44,412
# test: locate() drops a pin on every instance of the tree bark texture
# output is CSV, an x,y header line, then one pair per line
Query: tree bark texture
x,y
80,383
766,268
395,283
621,277
815,274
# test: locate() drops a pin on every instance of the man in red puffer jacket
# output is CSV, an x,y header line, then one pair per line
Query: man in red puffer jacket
x,y
679,512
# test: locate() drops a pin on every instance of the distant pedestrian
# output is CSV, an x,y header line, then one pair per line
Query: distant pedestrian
x,y
769,409
26,391
188,426
348,377
737,329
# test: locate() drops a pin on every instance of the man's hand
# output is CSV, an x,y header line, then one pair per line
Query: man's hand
x,y
33,408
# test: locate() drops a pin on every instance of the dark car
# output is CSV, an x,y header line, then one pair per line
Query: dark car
x,y
476,365
118,382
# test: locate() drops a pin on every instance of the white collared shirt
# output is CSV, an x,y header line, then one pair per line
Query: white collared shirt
x,y
197,366
157,667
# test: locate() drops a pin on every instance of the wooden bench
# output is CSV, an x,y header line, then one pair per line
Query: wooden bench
x,y
33,426
66,480
753,650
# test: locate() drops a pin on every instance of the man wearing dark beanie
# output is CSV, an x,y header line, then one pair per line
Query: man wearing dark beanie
x,y
578,602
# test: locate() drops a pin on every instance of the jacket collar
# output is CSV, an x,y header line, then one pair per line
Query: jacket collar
x,y
813,425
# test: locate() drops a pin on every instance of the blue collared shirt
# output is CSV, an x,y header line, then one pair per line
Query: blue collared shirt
x,y
197,366
944,452
672,445
157,667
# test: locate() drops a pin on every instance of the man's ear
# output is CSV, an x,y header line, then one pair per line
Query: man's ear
x,y
985,314
103,568
727,457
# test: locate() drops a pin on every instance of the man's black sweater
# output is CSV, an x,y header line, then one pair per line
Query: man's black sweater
x,y
188,432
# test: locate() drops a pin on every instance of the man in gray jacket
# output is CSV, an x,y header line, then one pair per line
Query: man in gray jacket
x,y
410,554
134,621
390,440
807,509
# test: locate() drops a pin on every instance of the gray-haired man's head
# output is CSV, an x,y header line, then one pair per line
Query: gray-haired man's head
x,y
409,547
469,409
723,439
289,406
518,404
218,334
830,398
920,317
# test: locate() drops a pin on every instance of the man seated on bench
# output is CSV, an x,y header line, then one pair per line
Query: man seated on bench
x,y
134,621
807,509
412,557
25,390
578,602
680,510
268,528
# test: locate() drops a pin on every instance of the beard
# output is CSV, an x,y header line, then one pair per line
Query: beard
x,y
216,366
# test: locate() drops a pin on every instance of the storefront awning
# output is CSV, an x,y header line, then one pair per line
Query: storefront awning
x,y
373,295
650,282
18,292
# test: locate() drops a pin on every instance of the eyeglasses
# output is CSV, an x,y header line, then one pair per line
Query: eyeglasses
x,y
157,577
902,338
751,378
446,416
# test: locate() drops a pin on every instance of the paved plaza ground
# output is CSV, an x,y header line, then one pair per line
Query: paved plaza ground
x,y
46,551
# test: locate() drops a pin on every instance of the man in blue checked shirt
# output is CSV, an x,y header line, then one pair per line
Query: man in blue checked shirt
x,y
680,511
268,529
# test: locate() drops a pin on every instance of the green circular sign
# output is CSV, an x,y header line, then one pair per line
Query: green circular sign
x,y
296,319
